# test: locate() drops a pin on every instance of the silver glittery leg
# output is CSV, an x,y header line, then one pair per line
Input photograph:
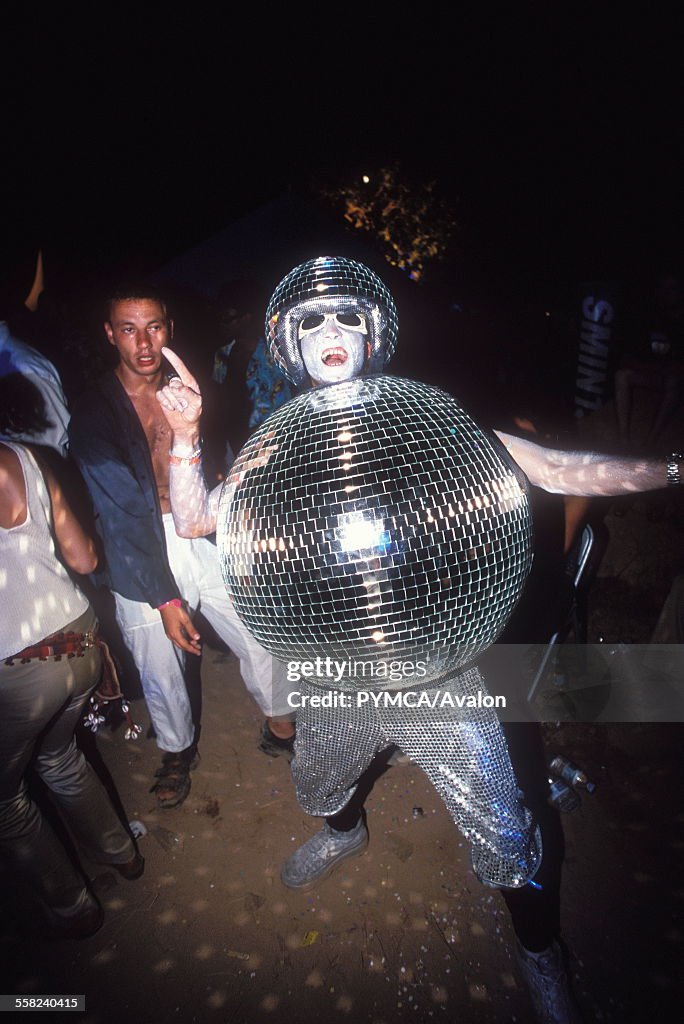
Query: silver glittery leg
x,y
462,751
465,755
334,746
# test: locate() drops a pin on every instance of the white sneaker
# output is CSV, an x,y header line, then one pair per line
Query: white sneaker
x,y
318,856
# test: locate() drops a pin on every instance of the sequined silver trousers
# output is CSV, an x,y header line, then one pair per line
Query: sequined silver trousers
x,y
462,751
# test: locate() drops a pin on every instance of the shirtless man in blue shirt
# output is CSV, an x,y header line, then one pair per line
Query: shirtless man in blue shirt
x,y
121,442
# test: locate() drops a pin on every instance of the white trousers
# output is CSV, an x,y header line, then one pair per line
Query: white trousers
x,y
195,567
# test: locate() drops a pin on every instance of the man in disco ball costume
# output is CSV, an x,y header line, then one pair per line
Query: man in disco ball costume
x,y
332,321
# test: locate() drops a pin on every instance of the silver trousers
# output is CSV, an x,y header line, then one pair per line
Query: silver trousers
x,y
462,751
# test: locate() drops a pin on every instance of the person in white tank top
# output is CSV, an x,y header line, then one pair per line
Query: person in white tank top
x,y
45,619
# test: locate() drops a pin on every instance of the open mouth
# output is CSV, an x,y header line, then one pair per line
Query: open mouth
x,y
334,356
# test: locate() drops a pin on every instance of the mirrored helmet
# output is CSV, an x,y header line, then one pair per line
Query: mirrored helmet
x,y
329,284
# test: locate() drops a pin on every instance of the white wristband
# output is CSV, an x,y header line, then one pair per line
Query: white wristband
x,y
183,451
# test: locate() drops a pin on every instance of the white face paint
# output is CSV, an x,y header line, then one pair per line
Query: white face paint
x,y
333,353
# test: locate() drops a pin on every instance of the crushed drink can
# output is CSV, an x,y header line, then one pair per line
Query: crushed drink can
x,y
570,773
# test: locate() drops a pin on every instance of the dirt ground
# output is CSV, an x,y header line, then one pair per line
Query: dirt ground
x,y
404,933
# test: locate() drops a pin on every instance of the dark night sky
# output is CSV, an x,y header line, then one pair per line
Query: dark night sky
x,y
556,136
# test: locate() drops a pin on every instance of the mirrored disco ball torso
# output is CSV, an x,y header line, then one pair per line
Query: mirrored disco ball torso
x,y
373,520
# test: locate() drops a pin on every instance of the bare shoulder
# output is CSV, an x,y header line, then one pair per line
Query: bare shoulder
x,y
12,489
10,464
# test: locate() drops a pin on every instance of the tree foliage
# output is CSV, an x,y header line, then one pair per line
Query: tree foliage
x,y
413,225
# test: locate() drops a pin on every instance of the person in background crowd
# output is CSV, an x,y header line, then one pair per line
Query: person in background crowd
x,y
244,365
19,296
657,362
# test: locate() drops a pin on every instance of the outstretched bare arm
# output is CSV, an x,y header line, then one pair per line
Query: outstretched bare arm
x,y
585,473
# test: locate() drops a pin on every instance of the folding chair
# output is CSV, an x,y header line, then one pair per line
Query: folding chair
x,y
581,564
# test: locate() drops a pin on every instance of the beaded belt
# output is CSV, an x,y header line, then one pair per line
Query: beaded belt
x,y
73,645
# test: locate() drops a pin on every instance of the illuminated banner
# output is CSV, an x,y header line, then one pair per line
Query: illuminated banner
x,y
599,308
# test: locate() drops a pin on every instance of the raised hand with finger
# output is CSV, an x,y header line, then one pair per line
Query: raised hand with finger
x,y
192,505
181,402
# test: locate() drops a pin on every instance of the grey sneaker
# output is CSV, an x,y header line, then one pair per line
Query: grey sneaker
x,y
547,983
318,856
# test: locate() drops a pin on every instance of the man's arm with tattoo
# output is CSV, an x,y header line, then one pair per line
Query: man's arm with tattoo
x,y
585,473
